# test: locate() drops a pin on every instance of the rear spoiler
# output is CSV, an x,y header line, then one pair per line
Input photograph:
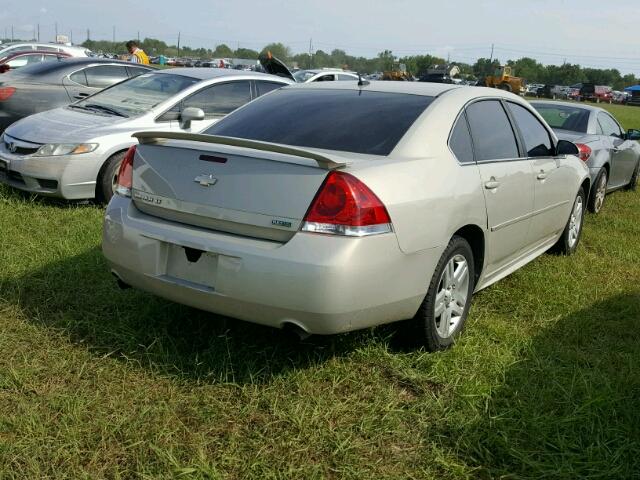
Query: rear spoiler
x,y
157,137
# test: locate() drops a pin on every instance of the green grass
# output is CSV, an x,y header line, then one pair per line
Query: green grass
x,y
101,383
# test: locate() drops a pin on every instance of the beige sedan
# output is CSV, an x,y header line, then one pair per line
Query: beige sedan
x,y
332,207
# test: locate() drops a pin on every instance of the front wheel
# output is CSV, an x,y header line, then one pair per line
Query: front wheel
x,y
599,192
568,241
107,178
444,310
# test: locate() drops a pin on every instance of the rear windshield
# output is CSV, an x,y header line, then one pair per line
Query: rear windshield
x,y
567,117
345,120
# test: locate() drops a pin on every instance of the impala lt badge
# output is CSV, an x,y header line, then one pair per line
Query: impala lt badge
x,y
205,180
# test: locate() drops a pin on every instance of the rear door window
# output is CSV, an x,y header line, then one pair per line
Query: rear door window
x,y
135,71
609,126
536,138
220,99
266,87
79,77
493,137
105,75
460,141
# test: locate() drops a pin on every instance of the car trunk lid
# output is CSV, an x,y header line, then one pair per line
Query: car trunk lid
x,y
237,186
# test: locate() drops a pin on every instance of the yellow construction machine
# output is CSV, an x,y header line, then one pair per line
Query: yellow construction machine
x,y
505,79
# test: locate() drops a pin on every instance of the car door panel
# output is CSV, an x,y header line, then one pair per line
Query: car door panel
x,y
623,155
506,183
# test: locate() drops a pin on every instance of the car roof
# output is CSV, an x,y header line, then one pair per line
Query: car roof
x,y
211,73
580,106
412,88
32,52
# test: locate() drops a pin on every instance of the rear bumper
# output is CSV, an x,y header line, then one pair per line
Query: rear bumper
x,y
71,177
320,283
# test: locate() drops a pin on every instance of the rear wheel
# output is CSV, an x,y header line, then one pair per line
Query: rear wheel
x,y
633,183
598,192
107,178
505,86
444,310
568,241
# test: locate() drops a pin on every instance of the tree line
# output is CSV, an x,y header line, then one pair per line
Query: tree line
x,y
528,68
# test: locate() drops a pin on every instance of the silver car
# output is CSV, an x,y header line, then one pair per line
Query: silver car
x,y
74,152
611,153
332,207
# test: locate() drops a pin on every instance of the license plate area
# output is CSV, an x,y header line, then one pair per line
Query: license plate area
x,y
191,266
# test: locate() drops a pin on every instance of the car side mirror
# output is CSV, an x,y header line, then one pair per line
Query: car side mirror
x,y
633,134
566,147
190,114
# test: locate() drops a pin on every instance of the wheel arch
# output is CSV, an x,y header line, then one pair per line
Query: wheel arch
x,y
116,151
474,235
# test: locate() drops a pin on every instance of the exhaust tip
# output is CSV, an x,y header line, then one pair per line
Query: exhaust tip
x,y
121,284
296,330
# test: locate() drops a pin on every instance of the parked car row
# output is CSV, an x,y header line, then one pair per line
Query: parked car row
x,y
313,205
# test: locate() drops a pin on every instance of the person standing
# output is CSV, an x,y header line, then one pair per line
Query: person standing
x,y
137,54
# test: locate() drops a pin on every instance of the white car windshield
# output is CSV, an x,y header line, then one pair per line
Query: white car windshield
x,y
136,96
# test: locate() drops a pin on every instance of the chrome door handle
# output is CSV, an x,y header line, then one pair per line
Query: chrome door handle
x,y
541,176
492,184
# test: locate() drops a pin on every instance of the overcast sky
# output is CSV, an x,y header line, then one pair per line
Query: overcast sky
x,y
592,33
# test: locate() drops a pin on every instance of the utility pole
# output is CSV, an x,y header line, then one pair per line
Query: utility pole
x,y
34,33
12,33
56,39
71,36
38,32
310,51
138,36
114,34
491,58
178,44
88,34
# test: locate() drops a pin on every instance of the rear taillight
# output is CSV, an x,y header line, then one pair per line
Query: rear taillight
x,y
584,151
346,206
6,92
125,173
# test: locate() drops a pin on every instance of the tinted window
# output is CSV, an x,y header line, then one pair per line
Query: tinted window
x,y
135,71
609,125
460,141
342,76
325,78
50,58
79,77
220,99
104,75
565,117
493,137
535,136
266,87
347,120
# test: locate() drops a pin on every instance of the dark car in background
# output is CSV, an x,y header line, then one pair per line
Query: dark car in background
x,y
48,85
16,60
611,153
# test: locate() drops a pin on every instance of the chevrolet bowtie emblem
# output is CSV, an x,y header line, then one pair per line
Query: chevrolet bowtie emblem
x,y
205,180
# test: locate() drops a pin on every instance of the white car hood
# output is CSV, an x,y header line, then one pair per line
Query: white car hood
x,y
65,125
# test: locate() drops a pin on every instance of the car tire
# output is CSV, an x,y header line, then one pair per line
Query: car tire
x,y
633,183
449,293
570,238
598,192
105,184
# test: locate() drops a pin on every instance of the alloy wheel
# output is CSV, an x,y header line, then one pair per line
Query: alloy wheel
x,y
575,222
452,296
601,192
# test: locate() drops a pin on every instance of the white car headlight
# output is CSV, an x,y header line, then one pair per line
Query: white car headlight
x,y
55,149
